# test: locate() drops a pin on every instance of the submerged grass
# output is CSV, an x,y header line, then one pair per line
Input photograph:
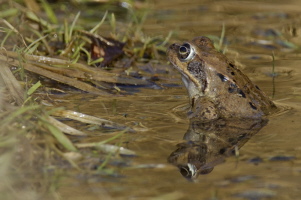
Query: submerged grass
x,y
29,136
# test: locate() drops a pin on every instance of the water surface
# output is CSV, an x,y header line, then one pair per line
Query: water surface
x,y
267,166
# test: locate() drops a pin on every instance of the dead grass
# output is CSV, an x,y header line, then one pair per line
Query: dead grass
x,y
33,140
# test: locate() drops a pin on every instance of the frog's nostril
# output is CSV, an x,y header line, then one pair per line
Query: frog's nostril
x,y
174,47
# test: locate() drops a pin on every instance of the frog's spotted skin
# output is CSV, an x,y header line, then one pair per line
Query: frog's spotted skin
x,y
216,87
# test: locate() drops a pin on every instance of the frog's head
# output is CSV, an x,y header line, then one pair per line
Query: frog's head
x,y
190,158
188,59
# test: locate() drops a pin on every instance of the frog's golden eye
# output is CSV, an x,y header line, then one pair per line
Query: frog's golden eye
x,y
186,52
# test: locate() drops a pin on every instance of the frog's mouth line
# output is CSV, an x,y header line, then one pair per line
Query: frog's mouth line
x,y
186,75
191,78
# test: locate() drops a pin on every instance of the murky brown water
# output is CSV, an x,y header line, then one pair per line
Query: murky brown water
x,y
251,175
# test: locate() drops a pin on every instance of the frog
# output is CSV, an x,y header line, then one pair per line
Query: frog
x,y
216,87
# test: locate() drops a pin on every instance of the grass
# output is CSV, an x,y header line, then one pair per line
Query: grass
x,y
75,51
274,74
71,64
33,50
219,41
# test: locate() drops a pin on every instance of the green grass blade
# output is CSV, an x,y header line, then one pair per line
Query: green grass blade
x,y
100,23
49,12
113,23
33,44
33,88
17,113
32,16
66,32
73,24
9,12
167,38
221,41
33,48
59,135
9,32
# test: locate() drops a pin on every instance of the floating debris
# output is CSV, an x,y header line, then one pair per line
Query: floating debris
x,y
108,148
90,119
240,179
65,128
282,158
256,194
255,160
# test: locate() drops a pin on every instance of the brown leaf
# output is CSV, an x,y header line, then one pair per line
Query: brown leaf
x,y
106,48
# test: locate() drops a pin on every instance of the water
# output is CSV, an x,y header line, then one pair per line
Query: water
x,y
267,166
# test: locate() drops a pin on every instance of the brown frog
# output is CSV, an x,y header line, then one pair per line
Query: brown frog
x,y
216,87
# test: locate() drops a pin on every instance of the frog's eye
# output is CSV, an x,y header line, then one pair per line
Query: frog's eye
x,y
186,52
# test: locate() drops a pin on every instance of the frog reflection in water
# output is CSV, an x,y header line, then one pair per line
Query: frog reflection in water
x,y
209,143
226,108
